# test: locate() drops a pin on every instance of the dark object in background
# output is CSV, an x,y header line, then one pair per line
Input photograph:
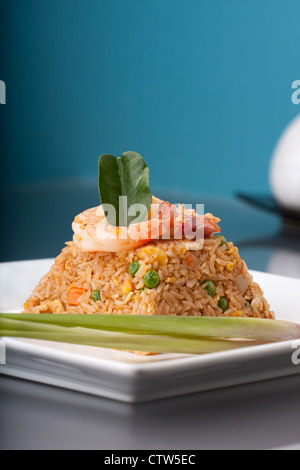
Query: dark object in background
x,y
291,219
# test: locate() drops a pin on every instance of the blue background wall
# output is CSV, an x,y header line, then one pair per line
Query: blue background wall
x,y
201,88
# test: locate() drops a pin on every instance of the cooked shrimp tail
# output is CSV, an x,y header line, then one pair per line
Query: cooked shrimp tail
x,y
92,232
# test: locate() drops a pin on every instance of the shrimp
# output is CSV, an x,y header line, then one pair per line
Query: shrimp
x,y
92,232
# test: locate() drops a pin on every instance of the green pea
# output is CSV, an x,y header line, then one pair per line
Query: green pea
x,y
223,304
133,268
96,295
222,239
210,288
151,279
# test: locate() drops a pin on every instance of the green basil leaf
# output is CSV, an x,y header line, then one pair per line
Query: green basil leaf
x,y
123,182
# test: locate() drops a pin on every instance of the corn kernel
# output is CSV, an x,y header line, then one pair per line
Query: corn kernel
x,y
158,254
169,280
146,250
234,252
236,313
127,287
230,266
162,258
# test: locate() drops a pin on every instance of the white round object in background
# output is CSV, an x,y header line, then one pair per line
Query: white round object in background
x,y
285,167
285,260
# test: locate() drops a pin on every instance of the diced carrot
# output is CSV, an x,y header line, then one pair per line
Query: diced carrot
x,y
190,261
74,295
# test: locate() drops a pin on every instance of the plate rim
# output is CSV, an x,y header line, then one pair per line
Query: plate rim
x,y
136,373
123,366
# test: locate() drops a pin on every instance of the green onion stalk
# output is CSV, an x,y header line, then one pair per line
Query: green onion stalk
x,y
161,334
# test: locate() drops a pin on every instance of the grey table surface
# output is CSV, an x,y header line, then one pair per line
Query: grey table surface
x,y
261,415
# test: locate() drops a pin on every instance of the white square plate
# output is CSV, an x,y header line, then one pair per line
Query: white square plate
x,y
131,378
